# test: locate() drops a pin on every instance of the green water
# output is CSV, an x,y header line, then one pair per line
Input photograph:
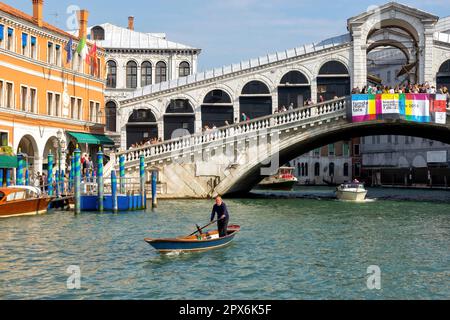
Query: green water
x,y
289,248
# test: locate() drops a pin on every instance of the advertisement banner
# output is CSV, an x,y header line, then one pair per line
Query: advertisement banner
x,y
423,108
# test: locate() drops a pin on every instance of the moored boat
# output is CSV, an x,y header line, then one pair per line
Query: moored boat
x,y
351,192
195,243
283,180
22,201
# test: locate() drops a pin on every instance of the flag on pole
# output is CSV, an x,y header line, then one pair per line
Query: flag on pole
x,y
83,49
93,57
68,49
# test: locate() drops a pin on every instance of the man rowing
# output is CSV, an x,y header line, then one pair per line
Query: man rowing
x,y
220,208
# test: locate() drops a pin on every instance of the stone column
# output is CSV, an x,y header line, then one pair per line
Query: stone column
x,y
359,53
314,89
427,73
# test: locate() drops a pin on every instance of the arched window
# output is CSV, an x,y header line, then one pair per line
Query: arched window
x,y
184,69
161,72
255,87
146,74
111,110
317,169
306,170
346,170
111,78
141,127
131,75
443,77
303,170
294,90
97,33
331,169
217,109
333,81
179,119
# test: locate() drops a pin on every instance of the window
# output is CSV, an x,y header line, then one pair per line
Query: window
x,y
146,74
91,111
396,139
97,33
10,39
331,169
111,78
73,107
346,149
306,170
57,110
1,94
357,169
317,169
346,170
80,109
185,69
33,48
50,54
356,150
9,95
24,44
331,150
110,111
2,35
131,75
33,100
58,54
97,113
23,98
161,72
317,152
49,103
4,139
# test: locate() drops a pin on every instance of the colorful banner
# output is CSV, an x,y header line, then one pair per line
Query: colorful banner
x,y
424,108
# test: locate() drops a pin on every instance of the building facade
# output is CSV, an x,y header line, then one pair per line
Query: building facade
x,y
405,161
136,60
45,99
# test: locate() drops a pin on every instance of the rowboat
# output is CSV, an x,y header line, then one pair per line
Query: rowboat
x,y
195,243
22,201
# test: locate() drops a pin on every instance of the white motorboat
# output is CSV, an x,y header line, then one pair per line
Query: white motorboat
x,y
351,192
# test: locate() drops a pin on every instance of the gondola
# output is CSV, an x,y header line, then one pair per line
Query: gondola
x,y
195,243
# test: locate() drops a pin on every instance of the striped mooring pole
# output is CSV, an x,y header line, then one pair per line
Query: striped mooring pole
x,y
154,190
71,173
77,173
57,181
27,177
1,178
50,174
142,180
20,169
8,177
62,181
122,174
114,191
100,185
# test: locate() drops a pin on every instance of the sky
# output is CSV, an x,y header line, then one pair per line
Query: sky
x,y
227,31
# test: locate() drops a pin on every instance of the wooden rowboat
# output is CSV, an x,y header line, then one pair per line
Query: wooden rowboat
x,y
195,243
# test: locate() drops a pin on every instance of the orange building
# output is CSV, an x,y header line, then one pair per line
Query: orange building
x,y
47,100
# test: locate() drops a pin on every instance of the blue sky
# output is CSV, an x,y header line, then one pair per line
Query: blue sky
x,y
228,31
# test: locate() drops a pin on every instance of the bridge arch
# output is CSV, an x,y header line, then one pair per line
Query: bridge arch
x,y
217,109
294,89
179,115
255,100
142,126
333,80
443,75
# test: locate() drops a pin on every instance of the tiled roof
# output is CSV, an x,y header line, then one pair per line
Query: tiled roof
x,y
22,15
123,38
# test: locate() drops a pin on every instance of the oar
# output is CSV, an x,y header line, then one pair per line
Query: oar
x,y
200,229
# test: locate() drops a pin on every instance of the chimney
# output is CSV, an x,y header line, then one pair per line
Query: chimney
x,y
38,6
83,16
131,23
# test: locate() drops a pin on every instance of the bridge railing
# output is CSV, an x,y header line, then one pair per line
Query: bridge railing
x,y
234,130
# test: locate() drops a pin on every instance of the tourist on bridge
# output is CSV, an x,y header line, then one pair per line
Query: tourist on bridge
x,y
223,217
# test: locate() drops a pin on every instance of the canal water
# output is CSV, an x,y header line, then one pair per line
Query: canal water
x,y
301,245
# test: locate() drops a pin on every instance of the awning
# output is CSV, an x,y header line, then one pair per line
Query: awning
x,y
96,139
8,162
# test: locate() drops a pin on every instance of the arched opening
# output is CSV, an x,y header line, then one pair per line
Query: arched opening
x,y
111,76
443,76
50,146
28,147
255,100
333,81
384,66
179,119
331,169
294,90
141,127
217,109
97,33
146,74
131,75
317,169
161,72
346,170
184,69
111,116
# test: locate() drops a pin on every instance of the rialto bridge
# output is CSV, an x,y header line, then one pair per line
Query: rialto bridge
x,y
229,159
